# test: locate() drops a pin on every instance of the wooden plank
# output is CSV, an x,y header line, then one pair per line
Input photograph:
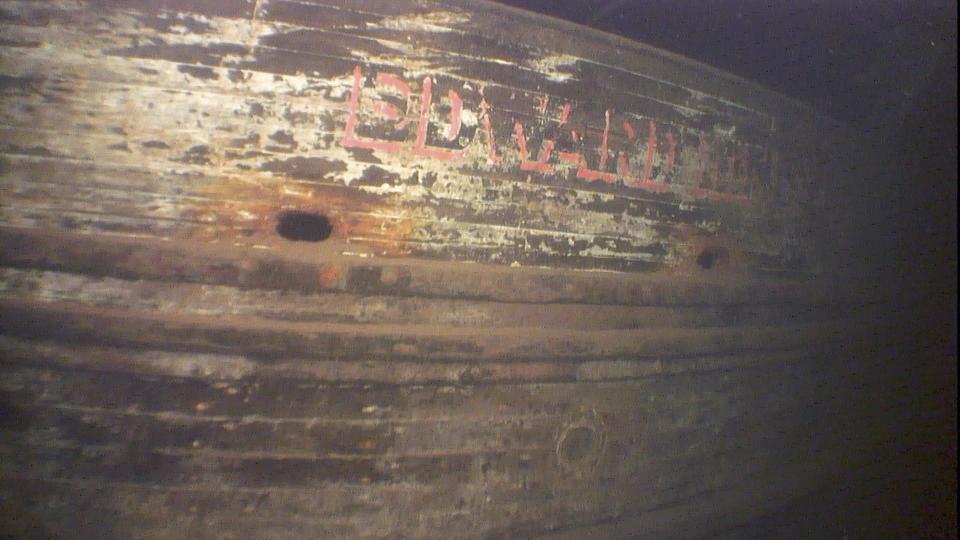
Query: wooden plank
x,y
670,482
428,342
323,269
194,299
394,269
465,240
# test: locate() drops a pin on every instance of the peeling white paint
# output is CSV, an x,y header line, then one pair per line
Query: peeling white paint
x,y
433,22
549,67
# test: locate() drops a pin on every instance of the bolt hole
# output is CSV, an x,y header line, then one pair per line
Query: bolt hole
x,y
710,257
576,444
303,226
705,259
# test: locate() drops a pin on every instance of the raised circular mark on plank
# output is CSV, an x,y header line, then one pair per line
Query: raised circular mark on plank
x,y
581,444
576,443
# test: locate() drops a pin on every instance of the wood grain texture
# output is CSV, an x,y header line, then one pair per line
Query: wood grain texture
x,y
245,114
558,283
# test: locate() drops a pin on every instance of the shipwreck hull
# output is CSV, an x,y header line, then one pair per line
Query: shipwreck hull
x,y
396,269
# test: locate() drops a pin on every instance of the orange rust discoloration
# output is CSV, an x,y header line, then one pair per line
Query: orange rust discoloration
x,y
714,254
330,276
243,211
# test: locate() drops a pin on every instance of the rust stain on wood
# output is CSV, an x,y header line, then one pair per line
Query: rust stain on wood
x,y
398,121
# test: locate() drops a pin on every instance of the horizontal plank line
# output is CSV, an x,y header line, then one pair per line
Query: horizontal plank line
x,y
399,486
306,421
31,247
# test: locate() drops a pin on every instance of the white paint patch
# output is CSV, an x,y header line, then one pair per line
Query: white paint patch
x,y
725,131
439,21
549,67
468,117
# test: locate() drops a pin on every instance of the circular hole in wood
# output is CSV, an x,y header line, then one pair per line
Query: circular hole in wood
x,y
711,257
303,226
705,259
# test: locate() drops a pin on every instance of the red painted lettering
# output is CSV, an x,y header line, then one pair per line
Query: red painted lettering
x,y
565,113
651,150
599,174
387,109
702,148
541,164
492,156
671,153
728,169
456,110
420,148
350,138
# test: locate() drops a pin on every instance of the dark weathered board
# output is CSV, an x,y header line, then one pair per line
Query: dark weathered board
x,y
403,269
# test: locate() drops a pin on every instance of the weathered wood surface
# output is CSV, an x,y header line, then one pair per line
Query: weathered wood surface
x,y
397,269
203,122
